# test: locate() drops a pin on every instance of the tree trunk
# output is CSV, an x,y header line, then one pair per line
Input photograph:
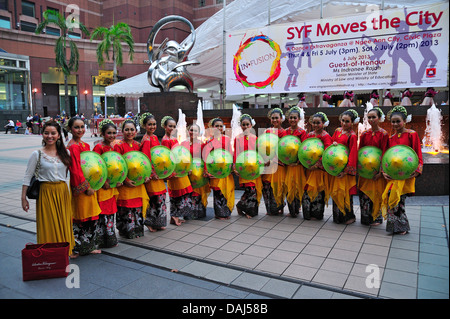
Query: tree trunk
x,y
116,108
66,97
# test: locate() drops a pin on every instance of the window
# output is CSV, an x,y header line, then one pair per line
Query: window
x,y
28,9
4,4
52,31
73,35
5,23
201,3
27,26
219,1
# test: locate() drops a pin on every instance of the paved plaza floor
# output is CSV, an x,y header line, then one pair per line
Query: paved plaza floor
x,y
263,257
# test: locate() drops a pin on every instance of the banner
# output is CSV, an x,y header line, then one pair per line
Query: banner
x,y
397,48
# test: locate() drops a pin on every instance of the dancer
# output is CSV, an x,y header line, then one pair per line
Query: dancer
x,y
223,188
54,205
429,95
370,191
347,102
295,173
132,201
301,100
84,199
106,195
387,98
374,97
316,193
396,191
156,214
274,187
180,188
326,99
343,186
199,196
248,205
406,97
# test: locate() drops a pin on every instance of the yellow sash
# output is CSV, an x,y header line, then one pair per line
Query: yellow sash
x,y
295,182
85,206
126,193
105,194
226,186
204,192
318,181
340,191
177,183
397,188
155,186
374,190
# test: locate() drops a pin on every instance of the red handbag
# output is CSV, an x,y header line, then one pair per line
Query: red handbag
x,y
42,261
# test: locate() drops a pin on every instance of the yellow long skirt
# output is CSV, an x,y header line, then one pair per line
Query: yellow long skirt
x,y
54,214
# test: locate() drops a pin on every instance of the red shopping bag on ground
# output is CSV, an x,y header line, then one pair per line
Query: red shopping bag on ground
x,y
42,261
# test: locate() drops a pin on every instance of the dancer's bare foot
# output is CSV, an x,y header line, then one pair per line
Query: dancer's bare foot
x,y
175,221
96,251
350,221
151,229
73,256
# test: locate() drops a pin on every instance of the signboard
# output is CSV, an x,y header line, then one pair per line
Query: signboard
x,y
397,48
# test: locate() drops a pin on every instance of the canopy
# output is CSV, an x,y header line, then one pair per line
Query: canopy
x,y
243,14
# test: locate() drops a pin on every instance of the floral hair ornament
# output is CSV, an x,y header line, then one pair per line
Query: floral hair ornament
x,y
246,116
165,119
143,117
382,117
104,122
277,110
326,122
400,109
122,125
298,110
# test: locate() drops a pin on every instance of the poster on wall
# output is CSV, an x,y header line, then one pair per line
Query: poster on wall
x,y
395,48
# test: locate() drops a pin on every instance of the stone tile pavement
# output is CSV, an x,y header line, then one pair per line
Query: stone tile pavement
x,y
271,256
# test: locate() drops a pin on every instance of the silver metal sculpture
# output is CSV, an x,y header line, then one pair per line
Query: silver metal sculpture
x,y
168,62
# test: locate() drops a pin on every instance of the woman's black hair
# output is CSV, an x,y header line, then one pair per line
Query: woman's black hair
x,y
147,117
128,121
61,149
72,120
217,119
107,126
349,113
376,110
321,116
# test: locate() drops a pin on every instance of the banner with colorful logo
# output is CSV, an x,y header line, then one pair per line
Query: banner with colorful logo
x,y
396,48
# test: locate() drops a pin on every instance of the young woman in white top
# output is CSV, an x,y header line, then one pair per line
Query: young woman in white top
x,y
54,205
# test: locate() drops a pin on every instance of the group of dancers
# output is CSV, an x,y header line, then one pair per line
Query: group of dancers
x,y
375,98
87,219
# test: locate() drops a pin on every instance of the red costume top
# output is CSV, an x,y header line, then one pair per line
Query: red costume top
x,y
280,132
194,148
350,140
106,197
379,139
299,132
244,143
222,142
78,182
154,187
409,138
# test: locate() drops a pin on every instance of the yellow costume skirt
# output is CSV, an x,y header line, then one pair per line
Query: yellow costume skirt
x,y
54,214
204,192
340,188
85,207
226,186
105,194
155,187
374,189
317,181
277,182
394,189
132,195
295,182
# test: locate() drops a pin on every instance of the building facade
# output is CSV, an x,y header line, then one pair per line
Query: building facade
x,y
30,81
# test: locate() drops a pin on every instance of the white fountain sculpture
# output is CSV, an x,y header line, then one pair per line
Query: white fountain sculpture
x,y
432,140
